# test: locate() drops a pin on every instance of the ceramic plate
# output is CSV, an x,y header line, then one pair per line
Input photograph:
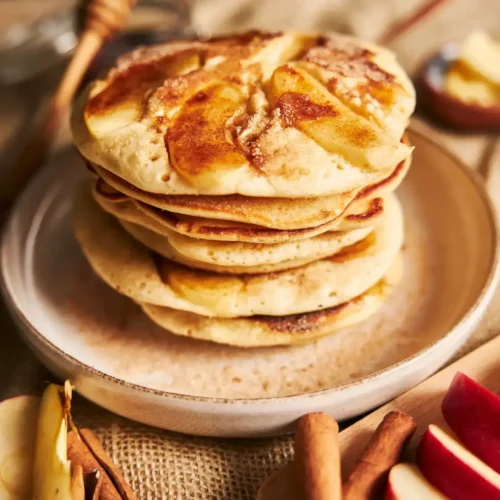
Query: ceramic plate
x,y
117,358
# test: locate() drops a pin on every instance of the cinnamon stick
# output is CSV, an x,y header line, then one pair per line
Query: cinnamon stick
x,y
89,438
80,454
367,478
317,457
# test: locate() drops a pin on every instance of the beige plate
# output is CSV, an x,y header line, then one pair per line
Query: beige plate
x,y
120,360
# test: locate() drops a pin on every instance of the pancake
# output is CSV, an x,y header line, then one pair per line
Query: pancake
x,y
260,331
361,213
131,269
275,213
258,114
243,258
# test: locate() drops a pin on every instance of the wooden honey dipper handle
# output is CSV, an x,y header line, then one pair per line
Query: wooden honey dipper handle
x,y
102,19
106,17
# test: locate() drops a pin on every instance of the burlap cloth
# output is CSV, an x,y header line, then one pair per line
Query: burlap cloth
x,y
164,465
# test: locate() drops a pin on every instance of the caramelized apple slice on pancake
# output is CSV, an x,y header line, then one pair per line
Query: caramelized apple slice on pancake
x,y
304,103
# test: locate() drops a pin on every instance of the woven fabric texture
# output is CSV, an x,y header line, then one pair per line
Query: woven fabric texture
x,y
164,465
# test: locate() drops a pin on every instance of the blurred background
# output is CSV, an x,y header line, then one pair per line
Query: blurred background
x,y
37,37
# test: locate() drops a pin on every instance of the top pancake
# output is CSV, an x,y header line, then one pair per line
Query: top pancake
x,y
283,115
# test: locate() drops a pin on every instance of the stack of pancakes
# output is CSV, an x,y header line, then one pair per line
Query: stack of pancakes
x,y
241,187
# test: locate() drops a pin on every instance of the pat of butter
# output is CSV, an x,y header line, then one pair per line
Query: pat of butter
x,y
475,76
466,86
482,55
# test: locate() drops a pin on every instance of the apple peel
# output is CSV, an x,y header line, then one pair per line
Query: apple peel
x,y
473,413
453,469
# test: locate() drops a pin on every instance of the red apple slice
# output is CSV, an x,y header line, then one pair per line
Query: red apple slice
x,y
473,413
454,470
406,482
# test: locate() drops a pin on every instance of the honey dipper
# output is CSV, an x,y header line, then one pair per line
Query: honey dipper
x,y
101,20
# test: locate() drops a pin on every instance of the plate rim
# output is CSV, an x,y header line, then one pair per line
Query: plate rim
x,y
482,300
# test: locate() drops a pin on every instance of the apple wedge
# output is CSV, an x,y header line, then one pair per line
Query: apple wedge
x,y
473,413
120,101
406,482
454,470
307,105
197,139
52,470
18,418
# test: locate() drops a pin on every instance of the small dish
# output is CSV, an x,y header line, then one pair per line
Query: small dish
x,y
118,359
447,108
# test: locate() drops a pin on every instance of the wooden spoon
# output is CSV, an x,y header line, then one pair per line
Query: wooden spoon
x,y
102,19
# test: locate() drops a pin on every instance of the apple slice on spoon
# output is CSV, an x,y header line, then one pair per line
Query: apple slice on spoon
x,y
473,413
406,482
454,470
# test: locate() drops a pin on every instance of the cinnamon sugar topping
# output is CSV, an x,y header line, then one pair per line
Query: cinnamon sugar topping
x,y
224,107
295,107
